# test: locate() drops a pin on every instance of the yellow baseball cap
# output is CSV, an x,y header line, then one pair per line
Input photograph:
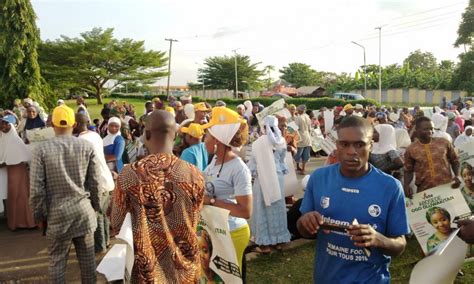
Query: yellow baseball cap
x,y
194,129
63,116
348,107
201,107
469,102
221,116
170,110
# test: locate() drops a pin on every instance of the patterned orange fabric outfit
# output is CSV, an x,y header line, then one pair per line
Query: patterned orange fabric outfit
x,y
431,162
164,196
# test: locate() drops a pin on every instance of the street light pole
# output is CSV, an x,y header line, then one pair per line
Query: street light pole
x,y
380,64
202,80
236,78
169,65
365,68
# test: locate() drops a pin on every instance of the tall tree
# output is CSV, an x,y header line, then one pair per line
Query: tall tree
x,y
219,73
466,28
421,60
97,61
268,71
299,74
19,37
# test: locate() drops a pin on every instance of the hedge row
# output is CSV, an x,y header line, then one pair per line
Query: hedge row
x,y
311,103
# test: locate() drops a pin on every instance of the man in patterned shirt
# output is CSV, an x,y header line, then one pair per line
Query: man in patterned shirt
x,y
431,159
164,196
64,192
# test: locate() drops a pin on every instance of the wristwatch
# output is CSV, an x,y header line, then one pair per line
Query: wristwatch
x,y
212,201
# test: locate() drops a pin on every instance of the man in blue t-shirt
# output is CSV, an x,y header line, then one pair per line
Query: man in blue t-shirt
x,y
364,206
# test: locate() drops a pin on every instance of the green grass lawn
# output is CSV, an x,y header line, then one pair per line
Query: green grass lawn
x,y
296,266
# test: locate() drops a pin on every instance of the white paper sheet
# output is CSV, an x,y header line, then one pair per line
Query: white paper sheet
x,y
291,181
442,266
117,264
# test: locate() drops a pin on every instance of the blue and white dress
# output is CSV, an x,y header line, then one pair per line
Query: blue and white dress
x,y
269,223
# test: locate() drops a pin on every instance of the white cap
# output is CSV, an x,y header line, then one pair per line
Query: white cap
x,y
60,102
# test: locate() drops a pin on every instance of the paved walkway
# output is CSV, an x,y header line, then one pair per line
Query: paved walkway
x,y
24,254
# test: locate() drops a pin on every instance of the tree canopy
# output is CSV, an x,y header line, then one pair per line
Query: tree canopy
x,y
299,74
97,61
20,75
219,73
421,60
466,27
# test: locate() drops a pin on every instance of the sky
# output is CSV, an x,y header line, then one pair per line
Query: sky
x,y
272,32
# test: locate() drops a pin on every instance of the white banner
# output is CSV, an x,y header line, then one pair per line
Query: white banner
x,y
272,109
328,145
466,153
432,212
218,259
117,264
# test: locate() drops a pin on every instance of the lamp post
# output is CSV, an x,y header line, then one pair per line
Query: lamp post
x,y
380,64
202,80
236,78
365,68
169,64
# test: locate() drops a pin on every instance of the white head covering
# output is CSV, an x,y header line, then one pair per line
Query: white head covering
x,y
189,111
273,132
387,140
248,108
13,150
224,132
110,138
437,109
463,138
440,122
402,137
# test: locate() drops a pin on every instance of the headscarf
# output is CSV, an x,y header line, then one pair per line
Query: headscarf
x,y
437,109
34,123
248,108
402,138
387,141
440,122
463,138
13,150
273,132
110,138
189,111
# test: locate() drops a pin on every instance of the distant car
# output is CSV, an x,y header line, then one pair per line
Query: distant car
x,y
348,96
280,96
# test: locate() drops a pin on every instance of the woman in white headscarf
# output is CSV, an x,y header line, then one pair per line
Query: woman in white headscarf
x,y
465,137
248,109
14,156
228,179
384,155
403,140
440,123
114,145
269,223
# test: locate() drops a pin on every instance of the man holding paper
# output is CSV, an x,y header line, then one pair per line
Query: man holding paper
x,y
164,196
360,209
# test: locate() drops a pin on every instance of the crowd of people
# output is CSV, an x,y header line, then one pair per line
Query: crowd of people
x,y
163,165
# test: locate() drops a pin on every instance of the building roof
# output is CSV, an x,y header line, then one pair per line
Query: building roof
x,y
308,89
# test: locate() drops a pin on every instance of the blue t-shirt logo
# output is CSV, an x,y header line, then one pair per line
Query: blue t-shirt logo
x,y
324,202
374,210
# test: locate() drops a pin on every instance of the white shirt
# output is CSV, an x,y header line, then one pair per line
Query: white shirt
x,y
106,180
467,113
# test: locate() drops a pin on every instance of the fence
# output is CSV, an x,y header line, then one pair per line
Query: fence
x,y
220,94
413,96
